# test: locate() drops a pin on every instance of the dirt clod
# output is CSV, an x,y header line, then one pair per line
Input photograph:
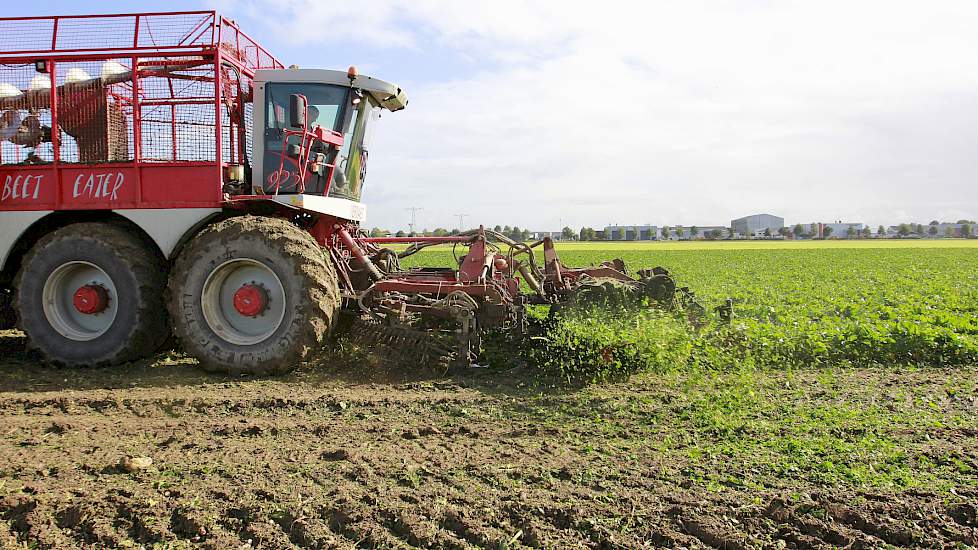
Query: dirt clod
x,y
59,427
134,464
338,454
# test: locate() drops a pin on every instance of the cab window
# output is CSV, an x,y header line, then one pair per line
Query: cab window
x,y
326,103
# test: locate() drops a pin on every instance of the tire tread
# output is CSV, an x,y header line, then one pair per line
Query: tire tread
x,y
149,332
316,308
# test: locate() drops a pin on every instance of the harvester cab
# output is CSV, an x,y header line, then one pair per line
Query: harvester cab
x,y
314,126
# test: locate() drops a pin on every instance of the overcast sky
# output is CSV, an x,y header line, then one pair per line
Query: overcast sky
x,y
543,114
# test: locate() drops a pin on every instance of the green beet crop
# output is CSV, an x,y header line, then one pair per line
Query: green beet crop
x,y
793,308
581,347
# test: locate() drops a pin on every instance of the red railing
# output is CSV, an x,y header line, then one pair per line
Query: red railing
x,y
159,32
122,93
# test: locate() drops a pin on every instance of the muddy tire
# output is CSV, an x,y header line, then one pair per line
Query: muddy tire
x,y
253,295
92,294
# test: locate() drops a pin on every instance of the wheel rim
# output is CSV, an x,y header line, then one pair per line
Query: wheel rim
x,y
243,301
80,301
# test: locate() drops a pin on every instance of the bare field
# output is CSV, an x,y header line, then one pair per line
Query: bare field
x,y
863,458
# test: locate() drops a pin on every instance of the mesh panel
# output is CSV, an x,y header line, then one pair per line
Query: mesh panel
x,y
100,32
176,117
107,33
95,111
176,30
239,46
26,35
236,116
177,110
25,115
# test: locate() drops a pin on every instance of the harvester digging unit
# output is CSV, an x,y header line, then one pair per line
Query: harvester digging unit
x,y
163,172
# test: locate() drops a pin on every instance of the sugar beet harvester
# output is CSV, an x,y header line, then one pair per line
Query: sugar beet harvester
x,y
162,172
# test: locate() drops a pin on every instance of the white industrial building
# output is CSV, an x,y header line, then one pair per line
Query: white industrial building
x,y
644,232
539,235
756,224
841,229
704,231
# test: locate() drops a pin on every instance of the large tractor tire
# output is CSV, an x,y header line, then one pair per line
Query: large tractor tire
x,y
253,295
92,294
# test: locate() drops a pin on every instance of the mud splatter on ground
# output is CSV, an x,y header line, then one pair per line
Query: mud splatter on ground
x,y
335,458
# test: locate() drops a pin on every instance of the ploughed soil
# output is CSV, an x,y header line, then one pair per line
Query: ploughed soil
x,y
352,458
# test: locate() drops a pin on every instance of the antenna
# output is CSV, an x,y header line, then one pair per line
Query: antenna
x,y
461,221
414,216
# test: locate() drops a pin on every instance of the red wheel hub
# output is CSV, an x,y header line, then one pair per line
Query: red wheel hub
x,y
90,299
250,300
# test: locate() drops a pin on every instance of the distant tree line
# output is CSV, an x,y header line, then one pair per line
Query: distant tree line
x,y
798,231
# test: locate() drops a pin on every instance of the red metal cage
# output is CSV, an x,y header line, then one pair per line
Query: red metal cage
x,y
124,110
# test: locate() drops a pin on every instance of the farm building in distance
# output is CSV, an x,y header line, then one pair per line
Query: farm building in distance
x,y
644,232
538,235
840,229
654,232
685,232
712,231
756,224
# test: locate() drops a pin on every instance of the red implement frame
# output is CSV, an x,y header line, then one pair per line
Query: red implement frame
x,y
482,271
186,74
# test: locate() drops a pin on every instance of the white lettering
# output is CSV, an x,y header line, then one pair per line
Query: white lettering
x,y
105,185
99,186
75,193
119,180
21,187
89,188
7,191
102,189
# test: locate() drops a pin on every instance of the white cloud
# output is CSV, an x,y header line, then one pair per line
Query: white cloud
x,y
671,112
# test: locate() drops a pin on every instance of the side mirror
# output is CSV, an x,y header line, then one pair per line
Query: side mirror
x,y
298,108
